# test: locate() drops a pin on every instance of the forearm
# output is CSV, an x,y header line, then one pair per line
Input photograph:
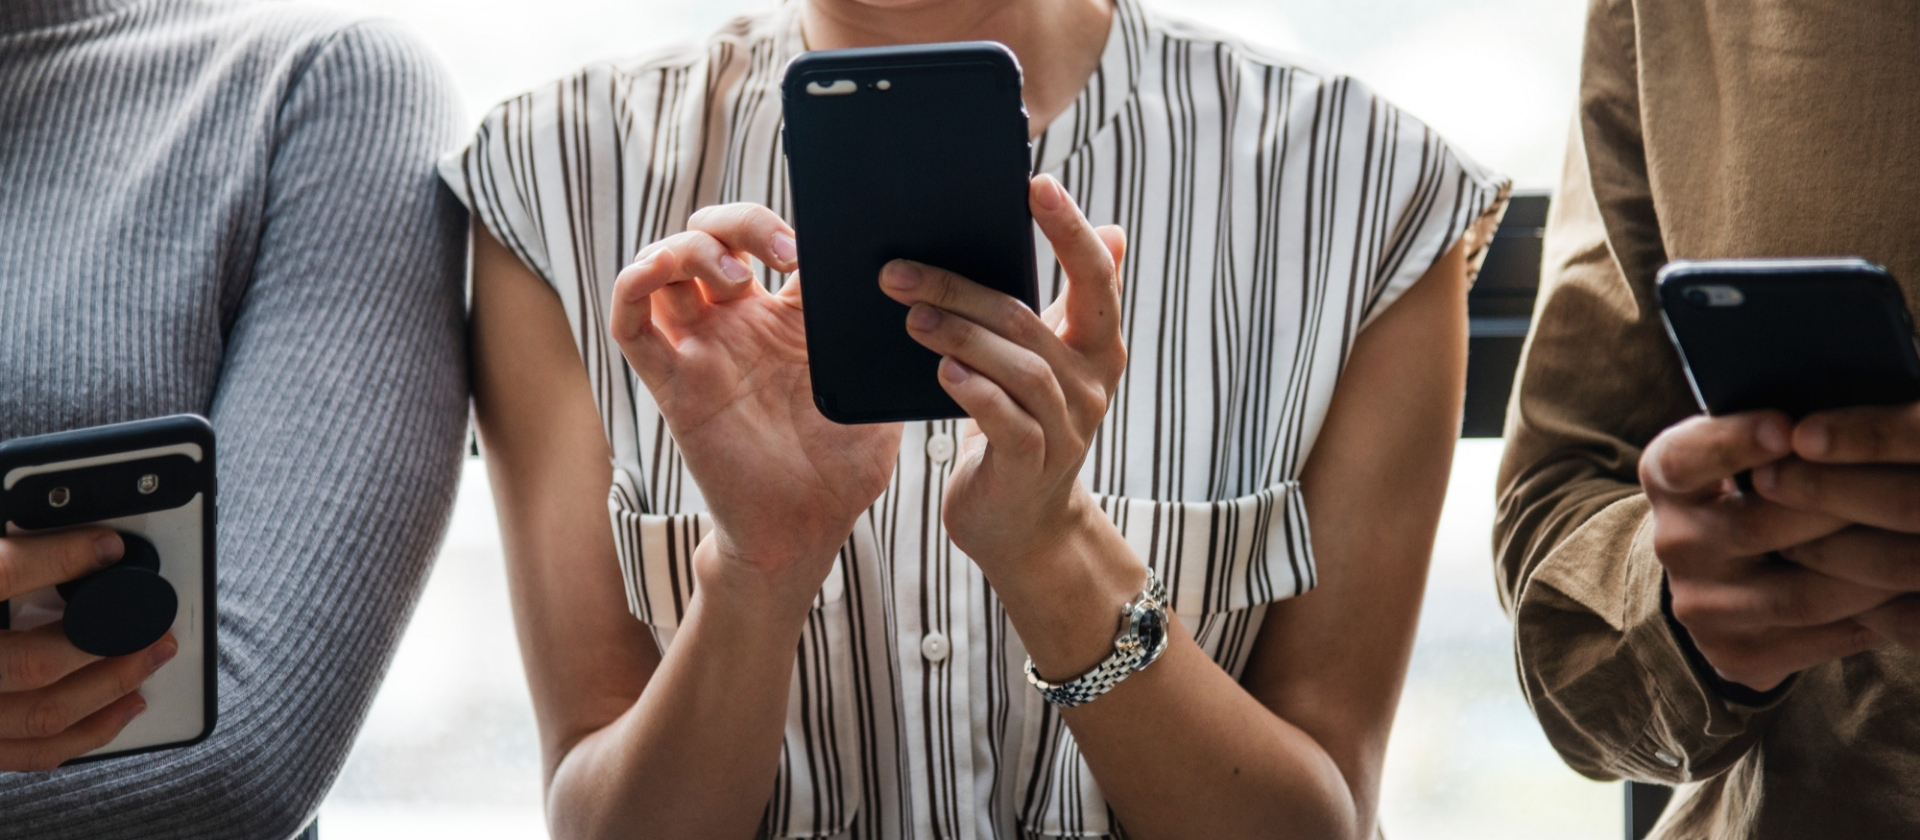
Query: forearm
x,y
696,755
1180,748
1639,710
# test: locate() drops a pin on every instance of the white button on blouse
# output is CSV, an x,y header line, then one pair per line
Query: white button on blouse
x,y
933,646
940,447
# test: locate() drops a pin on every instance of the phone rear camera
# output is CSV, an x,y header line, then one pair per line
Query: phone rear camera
x,y
147,484
59,497
883,84
1714,295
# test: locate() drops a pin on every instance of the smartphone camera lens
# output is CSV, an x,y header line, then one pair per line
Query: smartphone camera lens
x,y
1714,295
147,484
59,497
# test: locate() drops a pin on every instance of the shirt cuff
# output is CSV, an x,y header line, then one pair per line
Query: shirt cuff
x,y
1727,690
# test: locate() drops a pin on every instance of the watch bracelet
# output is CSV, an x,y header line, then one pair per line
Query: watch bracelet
x,y
1118,665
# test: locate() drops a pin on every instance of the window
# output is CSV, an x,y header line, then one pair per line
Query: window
x,y
449,749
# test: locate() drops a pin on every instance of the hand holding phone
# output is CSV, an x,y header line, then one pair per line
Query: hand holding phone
x,y
1779,353
58,702
106,589
1036,386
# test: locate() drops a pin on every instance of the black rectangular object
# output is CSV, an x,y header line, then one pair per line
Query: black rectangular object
x,y
1799,336
916,152
1499,311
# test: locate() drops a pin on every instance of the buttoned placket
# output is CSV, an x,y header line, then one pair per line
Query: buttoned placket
x,y
935,595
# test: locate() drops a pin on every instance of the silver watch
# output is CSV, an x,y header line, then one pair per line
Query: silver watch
x,y
1143,637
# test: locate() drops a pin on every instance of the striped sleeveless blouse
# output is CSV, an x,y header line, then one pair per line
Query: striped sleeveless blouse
x,y
1272,209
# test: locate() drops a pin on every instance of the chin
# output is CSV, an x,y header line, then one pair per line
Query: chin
x,y
892,5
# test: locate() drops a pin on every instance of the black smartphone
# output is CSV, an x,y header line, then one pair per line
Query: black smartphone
x,y
916,152
1797,335
152,481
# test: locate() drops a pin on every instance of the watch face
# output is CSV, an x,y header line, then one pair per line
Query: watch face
x,y
1151,628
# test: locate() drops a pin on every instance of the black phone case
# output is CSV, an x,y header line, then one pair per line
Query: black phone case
x,y
1799,336
23,506
916,152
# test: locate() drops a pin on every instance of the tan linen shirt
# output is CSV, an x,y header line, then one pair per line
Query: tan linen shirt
x,y
1707,128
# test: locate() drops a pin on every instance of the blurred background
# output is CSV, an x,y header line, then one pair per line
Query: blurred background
x,y
449,749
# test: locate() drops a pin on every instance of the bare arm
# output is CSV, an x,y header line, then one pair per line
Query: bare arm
x,y
686,744
1180,749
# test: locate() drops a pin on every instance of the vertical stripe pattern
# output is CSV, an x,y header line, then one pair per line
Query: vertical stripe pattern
x,y
1272,210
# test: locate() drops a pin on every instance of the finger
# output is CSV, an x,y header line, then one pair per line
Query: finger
x,y
39,755
1008,429
646,348
35,562
1867,556
719,267
1879,496
1723,537
751,228
38,658
914,283
1089,258
1861,435
1761,661
46,712
1018,372
1694,456
1772,595
792,291
1055,315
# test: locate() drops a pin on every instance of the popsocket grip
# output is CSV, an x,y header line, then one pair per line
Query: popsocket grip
x,y
122,608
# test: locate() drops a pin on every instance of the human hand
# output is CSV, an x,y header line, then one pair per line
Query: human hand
x,y
1861,465
1755,618
1036,387
57,702
726,361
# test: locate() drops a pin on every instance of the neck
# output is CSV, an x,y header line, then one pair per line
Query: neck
x,y
1059,42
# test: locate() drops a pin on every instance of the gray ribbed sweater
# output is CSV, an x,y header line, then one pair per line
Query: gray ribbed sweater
x,y
232,209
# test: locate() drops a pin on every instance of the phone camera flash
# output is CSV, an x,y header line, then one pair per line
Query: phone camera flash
x,y
59,497
148,484
883,84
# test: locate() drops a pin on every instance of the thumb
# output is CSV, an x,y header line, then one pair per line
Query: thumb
x,y
33,562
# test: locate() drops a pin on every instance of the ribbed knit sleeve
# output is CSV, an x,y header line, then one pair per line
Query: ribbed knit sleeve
x,y
340,408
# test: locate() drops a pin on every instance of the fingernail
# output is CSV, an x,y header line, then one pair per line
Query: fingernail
x,y
1815,439
735,270
954,371
162,653
901,275
1772,435
783,249
923,317
139,708
1052,196
107,549
1764,478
